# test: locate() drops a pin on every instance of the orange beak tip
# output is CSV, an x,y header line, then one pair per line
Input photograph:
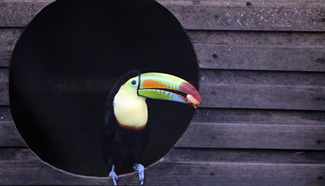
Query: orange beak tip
x,y
192,99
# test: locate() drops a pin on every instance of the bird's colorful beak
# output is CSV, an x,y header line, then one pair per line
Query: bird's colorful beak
x,y
168,87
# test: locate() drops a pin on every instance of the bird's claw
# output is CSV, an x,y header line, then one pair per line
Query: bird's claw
x,y
140,169
114,177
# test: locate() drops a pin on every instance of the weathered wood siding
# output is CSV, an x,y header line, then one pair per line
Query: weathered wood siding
x,y
262,80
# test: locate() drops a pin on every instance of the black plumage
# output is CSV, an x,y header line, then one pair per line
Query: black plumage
x,y
122,147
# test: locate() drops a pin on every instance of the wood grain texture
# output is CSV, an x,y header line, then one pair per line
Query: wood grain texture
x,y
262,97
258,116
263,90
289,51
217,15
261,78
5,114
235,174
245,156
17,155
4,86
179,173
259,50
18,13
209,15
263,136
8,40
5,56
39,173
10,136
252,2
286,58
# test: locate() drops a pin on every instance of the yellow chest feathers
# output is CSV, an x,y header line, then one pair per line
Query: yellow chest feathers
x,y
130,109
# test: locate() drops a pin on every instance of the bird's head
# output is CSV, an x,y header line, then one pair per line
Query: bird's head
x,y
164,87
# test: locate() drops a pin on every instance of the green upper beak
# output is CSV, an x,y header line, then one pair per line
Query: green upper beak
x,y
168,87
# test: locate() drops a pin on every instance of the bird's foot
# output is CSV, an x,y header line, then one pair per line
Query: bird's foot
x,y
113,175
140,169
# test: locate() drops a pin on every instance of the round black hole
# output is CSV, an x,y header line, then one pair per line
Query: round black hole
x,y
66,62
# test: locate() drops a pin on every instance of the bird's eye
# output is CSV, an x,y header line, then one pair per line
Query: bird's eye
x,y
134,82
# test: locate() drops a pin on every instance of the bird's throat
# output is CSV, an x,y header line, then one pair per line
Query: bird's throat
x,y
130,109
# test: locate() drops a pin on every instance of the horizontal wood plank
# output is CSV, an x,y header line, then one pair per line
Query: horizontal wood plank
x,y
209,15
4,86
18,13
242,77
245,156
289,51
5,56
215,15
234,174
5,114
260,58
165,173
262,97
39,173
8,40
242,2
263,90
210,135
10,136
8,154
258,116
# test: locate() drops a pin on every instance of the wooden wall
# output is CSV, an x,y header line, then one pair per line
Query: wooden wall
x,y
262,81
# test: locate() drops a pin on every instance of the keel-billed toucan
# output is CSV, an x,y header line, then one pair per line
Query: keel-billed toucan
x,y
125,131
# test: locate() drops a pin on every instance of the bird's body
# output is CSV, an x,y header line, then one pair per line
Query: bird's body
x,y
126,130
125,133
124,147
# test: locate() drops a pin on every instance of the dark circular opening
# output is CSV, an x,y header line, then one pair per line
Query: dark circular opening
x,y
66,62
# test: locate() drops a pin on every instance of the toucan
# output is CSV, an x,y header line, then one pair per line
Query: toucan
x,y
125,133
